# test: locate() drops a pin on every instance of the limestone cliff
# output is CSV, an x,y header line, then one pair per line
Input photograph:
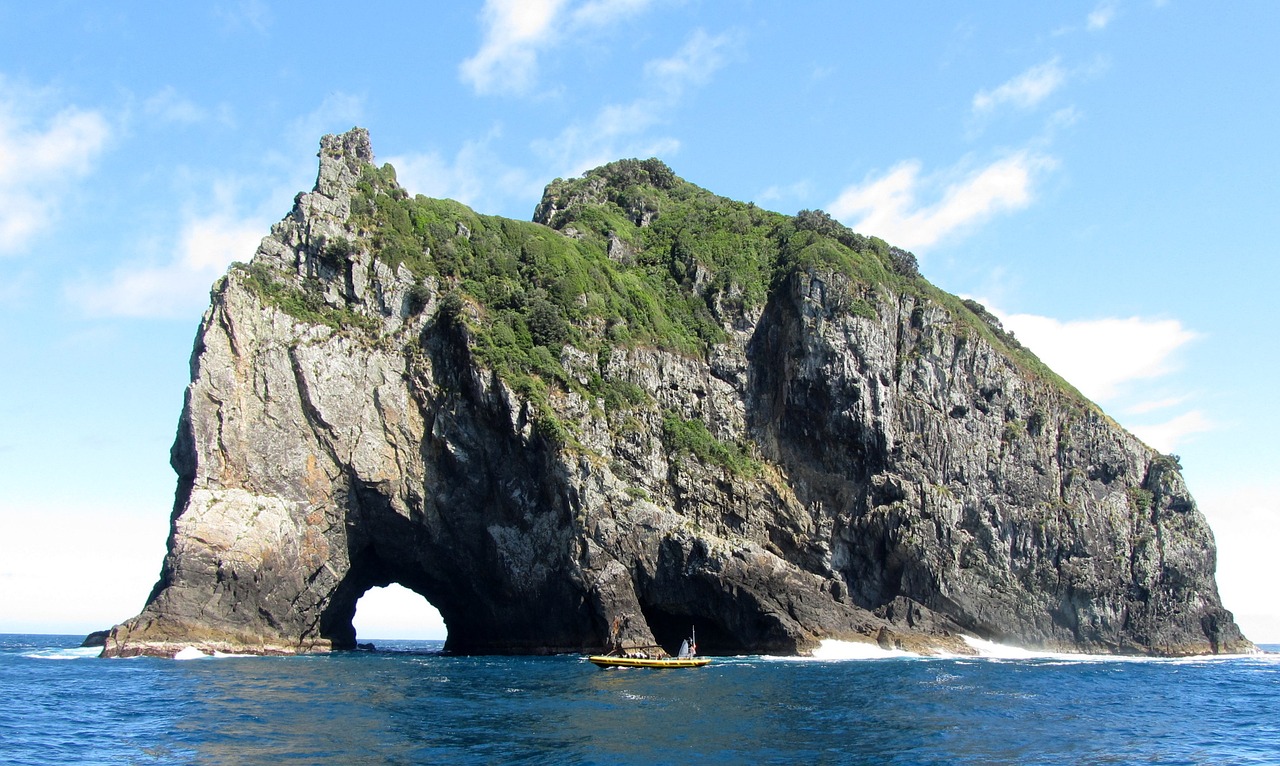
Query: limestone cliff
x,y
650,408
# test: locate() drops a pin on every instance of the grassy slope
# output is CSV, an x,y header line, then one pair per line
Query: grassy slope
x,y
686,264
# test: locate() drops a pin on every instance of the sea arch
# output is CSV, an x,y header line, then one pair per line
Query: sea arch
x,y
393,612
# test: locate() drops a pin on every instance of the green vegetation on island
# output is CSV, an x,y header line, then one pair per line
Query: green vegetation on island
x,y
627,255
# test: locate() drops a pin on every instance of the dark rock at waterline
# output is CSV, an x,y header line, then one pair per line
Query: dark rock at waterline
x,y
96,638
654,409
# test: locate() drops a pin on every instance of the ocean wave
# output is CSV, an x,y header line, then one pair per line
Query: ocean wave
x,y
75,653
832,650
993,651
857,650
192,653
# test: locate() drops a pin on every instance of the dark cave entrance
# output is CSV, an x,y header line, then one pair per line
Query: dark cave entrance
x,y
394,612
670,628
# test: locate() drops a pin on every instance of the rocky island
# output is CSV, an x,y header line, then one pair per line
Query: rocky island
x,y
651,407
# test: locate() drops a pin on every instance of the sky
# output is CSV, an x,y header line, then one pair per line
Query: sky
x,y
1102,175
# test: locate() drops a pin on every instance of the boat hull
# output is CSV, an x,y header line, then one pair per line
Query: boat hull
x,y
636,662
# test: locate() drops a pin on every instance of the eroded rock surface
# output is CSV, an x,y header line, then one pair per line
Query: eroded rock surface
x,y
900,479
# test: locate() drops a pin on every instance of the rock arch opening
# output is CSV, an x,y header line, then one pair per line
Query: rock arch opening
x,y
395,612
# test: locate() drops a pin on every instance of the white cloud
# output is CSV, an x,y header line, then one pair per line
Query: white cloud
x,y
168,106
1143,408
338,113
245,13
699,58
780,193
599,13
516,32
171,275
1170,435
1101,17
618,129
886,206
1101,356
206,246
39,160
1060,119
1024,91
1105,358
475,176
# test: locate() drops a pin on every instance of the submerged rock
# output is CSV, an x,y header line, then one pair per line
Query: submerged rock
x,y
651,409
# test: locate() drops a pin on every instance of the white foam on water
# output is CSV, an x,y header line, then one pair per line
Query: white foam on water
x,y
993,651
190,653
830,650
77,653
833,650
855,650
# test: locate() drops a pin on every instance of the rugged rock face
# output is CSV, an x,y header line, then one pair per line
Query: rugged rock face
x,y
843,456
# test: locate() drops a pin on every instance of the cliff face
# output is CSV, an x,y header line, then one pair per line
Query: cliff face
x,y
592,432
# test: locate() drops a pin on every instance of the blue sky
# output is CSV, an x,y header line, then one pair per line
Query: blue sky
x,y
1102,174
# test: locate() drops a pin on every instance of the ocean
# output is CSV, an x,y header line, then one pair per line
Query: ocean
x,y
406,703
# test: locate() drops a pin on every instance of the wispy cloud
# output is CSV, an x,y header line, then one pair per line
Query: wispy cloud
x,y
1098,19
1101,356
226,216
1155,405
887,206
517,32
474,176
167,105
251,14
697,60
1101,17
781,193
622,129
205,247
1024,91
599,13
41,157
338,112
1170,435
1106,358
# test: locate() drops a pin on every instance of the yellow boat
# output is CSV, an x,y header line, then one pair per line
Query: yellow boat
x,y
688,658
606,661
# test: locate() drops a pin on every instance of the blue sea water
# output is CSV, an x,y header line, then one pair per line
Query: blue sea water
x,y
406,703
